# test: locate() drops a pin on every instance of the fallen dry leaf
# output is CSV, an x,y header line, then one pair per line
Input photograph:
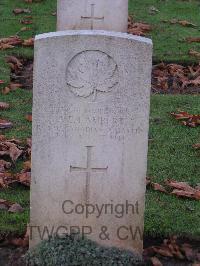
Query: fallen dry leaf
x,y
196,146
27,165
184,23
4,124
156,262
18,11
183,189
4,46
192,39
187,194
29,117
12,40
5,204
16,208
11,150
158,187
25,29
4,165
6,179
24,178
163,251
21,242
138,28
14,86
4,106
187,119
28,42
6,90
179,185
26,21
14,60
1,81
194,53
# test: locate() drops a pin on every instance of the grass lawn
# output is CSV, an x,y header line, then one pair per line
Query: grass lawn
x,y
170,153
169,38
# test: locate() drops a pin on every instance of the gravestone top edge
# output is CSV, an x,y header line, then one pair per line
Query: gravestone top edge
x,y
93,33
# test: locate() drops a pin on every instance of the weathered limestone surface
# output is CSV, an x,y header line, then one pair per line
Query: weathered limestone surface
x,y
111,15
90,135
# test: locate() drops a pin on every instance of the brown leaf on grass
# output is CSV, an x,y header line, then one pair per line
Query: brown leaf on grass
x,y
187,194
156,262
24,178
28,42
12,40
26,21
29,142
163,251
16,208
21,242
179,185
183,189
194,82
4,165
184,23
14,86
5,204
29,117
25,29
194,53
5,90
27,165
5,46
5,124
138,28
174,78
192,39
196,146
158,187
14,60
11,149
18,11
6,179
188,251
1,81
187,119
4,106
14,151
171,248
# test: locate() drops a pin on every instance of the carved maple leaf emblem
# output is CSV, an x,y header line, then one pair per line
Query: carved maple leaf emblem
x,y
90,72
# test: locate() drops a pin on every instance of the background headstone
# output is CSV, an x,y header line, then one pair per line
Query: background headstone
x,y
90,135
111,15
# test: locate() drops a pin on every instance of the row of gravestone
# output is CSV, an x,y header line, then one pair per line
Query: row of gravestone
x,y
90,126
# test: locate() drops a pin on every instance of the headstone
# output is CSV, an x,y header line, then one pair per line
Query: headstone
x,y
111,15
90,136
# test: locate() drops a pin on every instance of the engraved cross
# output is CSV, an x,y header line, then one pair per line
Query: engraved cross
x,y
89,170
92,17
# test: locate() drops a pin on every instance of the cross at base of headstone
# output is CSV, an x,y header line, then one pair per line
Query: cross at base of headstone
x,y
110,15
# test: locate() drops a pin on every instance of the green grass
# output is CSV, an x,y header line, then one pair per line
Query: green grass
x,y
171,156
170,153
169,38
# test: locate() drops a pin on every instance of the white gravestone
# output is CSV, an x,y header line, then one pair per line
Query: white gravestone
x,y
90,136
111,15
